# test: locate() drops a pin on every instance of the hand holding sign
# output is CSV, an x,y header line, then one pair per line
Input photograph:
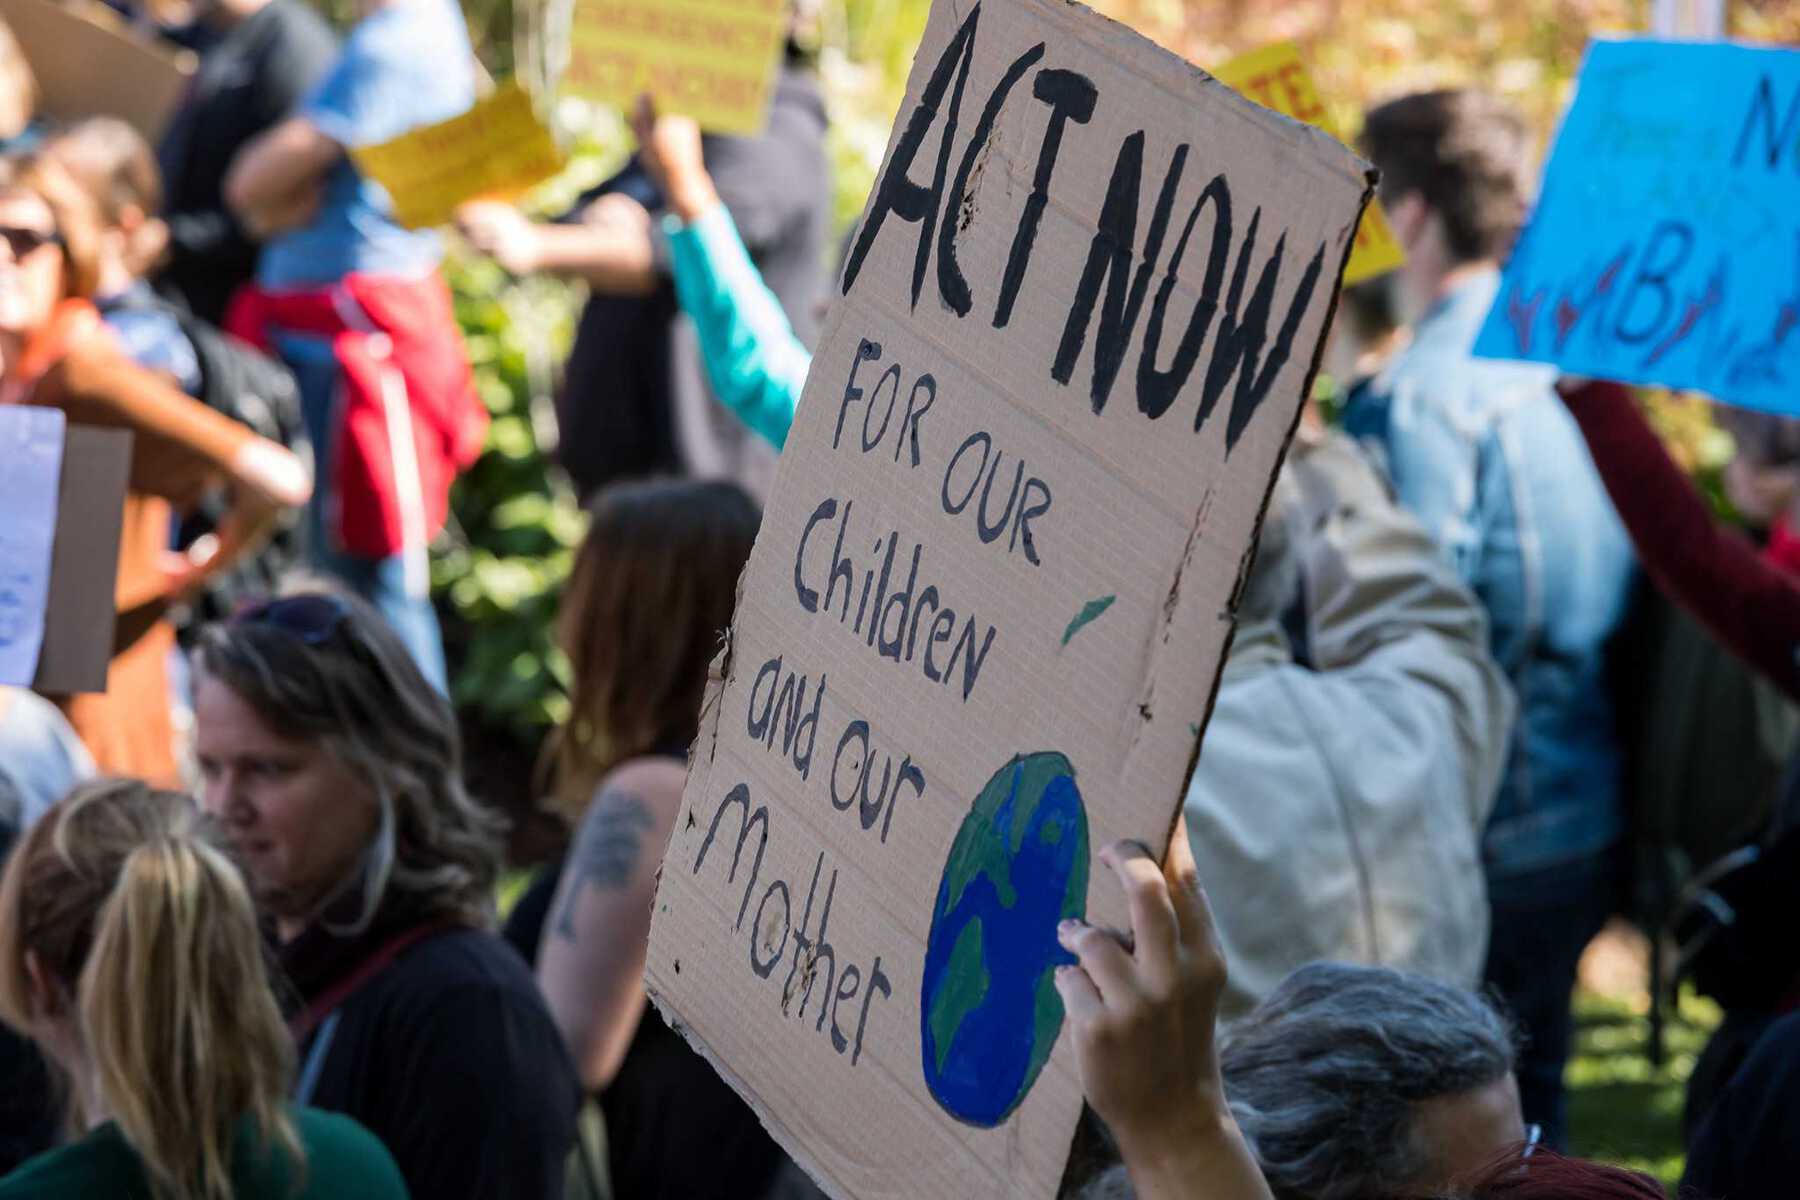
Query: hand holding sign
x,y
1143,1011
669,148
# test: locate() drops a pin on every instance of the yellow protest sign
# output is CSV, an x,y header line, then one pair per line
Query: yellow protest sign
x,y
1275,78
713,60
496,150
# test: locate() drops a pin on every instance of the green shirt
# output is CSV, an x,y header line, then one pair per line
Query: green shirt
x,y
344,1161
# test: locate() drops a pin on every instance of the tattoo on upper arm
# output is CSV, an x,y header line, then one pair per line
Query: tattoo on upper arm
x,y
606,850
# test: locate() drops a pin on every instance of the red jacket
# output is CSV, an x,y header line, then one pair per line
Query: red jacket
x,y
1751,604
410,418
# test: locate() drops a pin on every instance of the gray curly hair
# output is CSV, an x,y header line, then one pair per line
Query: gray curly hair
x,y
1324,1075
352,685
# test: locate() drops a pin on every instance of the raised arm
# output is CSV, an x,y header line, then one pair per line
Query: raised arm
x,y
180,449
1711,571
274,183
609,249
756,366
1143,1010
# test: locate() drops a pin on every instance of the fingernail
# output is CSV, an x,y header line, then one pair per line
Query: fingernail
x,y
1066,930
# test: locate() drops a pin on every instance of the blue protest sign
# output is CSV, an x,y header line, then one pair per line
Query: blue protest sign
x,y
1665,248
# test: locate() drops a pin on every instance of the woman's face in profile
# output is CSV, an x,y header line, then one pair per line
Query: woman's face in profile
x,y
297,818
31,263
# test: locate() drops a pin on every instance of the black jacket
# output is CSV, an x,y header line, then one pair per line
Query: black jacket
x,y
634,400
449,1056
1748,1147
256,74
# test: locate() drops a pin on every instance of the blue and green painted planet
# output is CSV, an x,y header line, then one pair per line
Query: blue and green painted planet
x,y
989,1009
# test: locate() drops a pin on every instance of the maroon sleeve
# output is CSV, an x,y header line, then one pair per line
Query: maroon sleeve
x,y
1711,571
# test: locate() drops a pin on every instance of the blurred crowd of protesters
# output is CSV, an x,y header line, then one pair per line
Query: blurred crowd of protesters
x,y
1426,785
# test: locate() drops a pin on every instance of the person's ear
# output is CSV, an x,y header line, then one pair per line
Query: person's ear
x,y
1408,215
48,999
149,243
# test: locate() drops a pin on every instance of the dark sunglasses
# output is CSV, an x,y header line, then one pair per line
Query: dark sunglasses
x,y
23,242
313,618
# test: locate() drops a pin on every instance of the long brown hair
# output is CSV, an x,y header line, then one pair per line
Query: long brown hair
x,y
651,594
123,898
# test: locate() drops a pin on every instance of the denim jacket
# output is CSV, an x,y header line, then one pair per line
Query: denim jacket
x,y
1487,457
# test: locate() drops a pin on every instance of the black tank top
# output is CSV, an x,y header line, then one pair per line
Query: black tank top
x,y
674,1129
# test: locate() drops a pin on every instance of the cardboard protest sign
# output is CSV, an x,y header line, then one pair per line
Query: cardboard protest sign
x,y
713,60
84,561
31,446
89,64
981,629
496,150
1665,248
1276,78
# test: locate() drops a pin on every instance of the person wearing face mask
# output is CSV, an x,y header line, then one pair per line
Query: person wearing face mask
x,y
129,952
55,351
334,769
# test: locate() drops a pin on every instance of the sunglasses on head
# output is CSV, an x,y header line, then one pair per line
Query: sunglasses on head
x,y
23,242
313,617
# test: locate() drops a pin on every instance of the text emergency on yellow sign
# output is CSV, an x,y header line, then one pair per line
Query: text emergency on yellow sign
x,y
496,150
1275,78
713,60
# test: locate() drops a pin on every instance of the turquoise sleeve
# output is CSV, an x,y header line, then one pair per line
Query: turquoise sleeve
x,y
754,362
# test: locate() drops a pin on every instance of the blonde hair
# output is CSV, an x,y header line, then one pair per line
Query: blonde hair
x,y
126,903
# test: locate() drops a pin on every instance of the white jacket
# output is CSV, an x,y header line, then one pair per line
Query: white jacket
x,y
1337,807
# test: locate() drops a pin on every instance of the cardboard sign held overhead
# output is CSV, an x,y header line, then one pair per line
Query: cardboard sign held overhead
x,y
88,64
1276,78
980,632
712,60
497,150
1665,248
